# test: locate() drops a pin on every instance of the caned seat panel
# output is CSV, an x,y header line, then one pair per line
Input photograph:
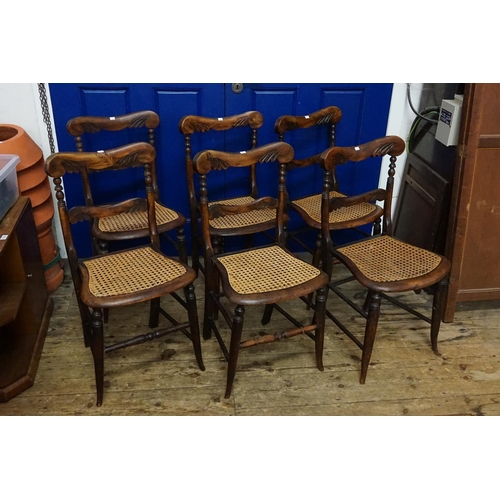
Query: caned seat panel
x,y
266,269
130,272
385,259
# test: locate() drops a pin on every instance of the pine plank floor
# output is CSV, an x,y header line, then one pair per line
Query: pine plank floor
x,y
162,378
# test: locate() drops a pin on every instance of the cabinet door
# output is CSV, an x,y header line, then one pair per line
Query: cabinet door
x,y
473,245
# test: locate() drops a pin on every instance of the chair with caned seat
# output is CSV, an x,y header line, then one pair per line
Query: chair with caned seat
x,y
381,263
125,277
131,225
258,275
125,226
308,207
259,220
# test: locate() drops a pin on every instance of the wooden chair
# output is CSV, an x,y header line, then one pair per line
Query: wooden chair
x,y
309,207
125,226
235,224
381,263
124,277
255,276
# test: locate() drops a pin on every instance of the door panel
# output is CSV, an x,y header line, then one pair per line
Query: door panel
x,y
365,110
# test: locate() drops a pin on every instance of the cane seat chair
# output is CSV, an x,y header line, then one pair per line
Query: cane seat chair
x,y
259,220
309,207
381,263
124,277
258,275
125,226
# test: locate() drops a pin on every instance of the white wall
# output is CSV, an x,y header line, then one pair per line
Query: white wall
x,y
20,105
399,123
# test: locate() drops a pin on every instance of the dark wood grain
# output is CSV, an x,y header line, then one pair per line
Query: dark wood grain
x,y
218,277
91,304
190,124
25,304
92,124
359,265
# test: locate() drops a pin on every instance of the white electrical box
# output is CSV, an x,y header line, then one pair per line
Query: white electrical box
x,y
449,120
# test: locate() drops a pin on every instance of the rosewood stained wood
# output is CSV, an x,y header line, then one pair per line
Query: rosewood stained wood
x,y
124,277
228,222
472,239
117,227
381,263
259,275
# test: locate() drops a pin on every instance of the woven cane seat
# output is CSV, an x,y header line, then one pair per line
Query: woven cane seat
x,y
384,259
251,218
133,221
266,269
311,205
130,272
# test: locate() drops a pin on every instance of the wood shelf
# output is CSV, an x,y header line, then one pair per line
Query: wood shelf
x,y
11,297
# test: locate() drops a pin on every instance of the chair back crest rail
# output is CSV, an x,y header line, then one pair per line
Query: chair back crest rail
x,y
92,124
329,115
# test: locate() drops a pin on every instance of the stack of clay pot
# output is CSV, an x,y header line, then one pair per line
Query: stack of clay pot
x,y
33,182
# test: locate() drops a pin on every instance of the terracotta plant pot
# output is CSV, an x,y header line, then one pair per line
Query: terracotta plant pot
x,y
33,182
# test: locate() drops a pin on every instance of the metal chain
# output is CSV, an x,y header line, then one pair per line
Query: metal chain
x,y
46,115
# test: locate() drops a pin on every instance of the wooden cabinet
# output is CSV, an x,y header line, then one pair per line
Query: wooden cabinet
x,y
473,236
25,307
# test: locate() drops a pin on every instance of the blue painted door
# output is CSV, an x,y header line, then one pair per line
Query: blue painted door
x,y
365,110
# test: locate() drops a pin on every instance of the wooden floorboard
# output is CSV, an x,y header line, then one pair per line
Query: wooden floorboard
x,y
162,378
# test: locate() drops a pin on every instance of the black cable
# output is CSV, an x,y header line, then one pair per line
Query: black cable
x,y
416,121
414,110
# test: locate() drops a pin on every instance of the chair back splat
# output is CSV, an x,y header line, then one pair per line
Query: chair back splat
x,y
124,277
381,263
258,275
232,224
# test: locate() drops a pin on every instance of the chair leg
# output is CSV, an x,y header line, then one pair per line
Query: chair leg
x,y
101,248
249,240
370,331
208,316
319,319
154,313
234,348
366,304
195,251
377,227
193,321
437,311
97,348
181,245
316,260
86,326
268,312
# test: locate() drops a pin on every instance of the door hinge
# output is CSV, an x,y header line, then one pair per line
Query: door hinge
x,y
462,150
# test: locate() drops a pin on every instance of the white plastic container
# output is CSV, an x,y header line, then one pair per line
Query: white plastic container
x,y
9,191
